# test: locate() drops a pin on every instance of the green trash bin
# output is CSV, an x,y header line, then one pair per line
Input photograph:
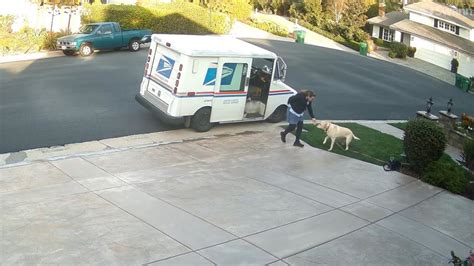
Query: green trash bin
x,y
462,82
363,48
300,34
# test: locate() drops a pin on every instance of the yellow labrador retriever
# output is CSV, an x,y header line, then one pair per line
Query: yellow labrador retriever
x,y
334,131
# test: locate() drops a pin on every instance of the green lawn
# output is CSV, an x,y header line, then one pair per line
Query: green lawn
x,y
373,147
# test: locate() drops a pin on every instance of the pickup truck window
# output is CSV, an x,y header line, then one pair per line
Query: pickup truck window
x,y
116,27
88,29
105,29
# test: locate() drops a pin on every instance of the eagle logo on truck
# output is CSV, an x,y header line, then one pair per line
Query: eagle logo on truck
x,y
165,66
227,74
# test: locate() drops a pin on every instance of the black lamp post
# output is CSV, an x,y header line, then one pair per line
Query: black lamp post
x,y
450,105
429,103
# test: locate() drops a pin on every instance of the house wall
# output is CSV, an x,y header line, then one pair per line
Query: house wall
x,y
472,35
441,55
397,37
421,19
465,33
375,31
407,39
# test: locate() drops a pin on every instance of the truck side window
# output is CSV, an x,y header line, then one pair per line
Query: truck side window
x,y
116,27
233,77
105,29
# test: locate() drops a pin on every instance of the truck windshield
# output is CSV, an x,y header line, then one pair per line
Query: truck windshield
x,y
87,29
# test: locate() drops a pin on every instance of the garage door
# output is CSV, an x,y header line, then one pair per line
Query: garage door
x,y
435,58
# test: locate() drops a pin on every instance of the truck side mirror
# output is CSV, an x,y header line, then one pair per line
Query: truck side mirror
x,y
281,69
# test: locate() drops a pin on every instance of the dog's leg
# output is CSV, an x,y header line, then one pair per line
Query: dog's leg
x,y
348,141
332,143
325,139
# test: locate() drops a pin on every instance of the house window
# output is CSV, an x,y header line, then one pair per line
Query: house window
x,y
446,27
388,35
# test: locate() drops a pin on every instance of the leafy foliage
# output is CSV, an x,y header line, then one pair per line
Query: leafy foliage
x,y
6,23
446,174
236,9
269,27
424,143
468,153
180,17
399,49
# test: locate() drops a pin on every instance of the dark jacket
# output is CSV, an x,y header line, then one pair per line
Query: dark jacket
x,y
299,104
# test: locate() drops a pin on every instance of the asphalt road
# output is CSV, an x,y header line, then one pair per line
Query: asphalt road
x,y
65,100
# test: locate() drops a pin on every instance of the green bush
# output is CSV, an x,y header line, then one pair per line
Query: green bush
x,y
382,43
50,39
392,54
411,51
400,49
178,18
6,23
353,45
24,41
468,153
446,174
424,143
236,9
269,27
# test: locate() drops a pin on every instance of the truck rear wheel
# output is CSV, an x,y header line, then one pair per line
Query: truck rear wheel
x,y
86,49
134,45
278,115
201,121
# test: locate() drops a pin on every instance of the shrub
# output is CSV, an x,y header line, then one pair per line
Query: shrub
x,y
6,23
392,54
400,49
424,143
378,42
50,39
468,153
179,17
236,9
269,27
446,174
411,51
353,45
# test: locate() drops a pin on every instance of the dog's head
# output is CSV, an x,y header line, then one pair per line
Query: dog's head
x,y
324,125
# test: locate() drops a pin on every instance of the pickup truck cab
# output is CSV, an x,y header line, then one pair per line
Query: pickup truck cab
x,y
101,36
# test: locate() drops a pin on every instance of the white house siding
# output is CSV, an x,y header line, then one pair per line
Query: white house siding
x,y
375,31
464,33
472,35
441,55
421,19
397,37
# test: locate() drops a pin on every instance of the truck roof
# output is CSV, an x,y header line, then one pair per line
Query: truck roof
x,y
211,46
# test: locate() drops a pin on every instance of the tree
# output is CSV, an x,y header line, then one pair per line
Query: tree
x,y
313,11
335,7
354,13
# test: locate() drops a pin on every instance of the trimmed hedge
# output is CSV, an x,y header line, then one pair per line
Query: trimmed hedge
x,y
178,18
447,174
400,49
269,27
424,143
236,9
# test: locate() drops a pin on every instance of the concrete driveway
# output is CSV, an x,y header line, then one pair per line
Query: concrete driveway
x,y
243,198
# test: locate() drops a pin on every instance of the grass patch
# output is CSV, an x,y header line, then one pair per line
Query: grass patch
x,y
401,125
374,146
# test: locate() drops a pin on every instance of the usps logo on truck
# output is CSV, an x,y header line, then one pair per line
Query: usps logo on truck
x,y
165,66
227,74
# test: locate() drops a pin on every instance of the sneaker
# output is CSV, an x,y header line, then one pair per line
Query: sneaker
x,y
283,137
298,144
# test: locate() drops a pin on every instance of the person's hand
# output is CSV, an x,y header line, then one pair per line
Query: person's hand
x,y
313,120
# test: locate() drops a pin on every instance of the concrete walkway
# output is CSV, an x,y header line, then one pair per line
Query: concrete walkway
x,y
417,64
232,196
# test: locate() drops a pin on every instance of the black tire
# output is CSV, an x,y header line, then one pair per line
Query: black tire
x,y
278,115
86,49
69,52
134,45
201,121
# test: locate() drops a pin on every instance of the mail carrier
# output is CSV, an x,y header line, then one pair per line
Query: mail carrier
x,y
204,80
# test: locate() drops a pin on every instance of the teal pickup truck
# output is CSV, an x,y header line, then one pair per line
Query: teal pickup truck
x,y
101,36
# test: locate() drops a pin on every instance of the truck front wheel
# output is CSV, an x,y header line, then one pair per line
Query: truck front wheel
x,y
134,45
86,49
278,115
201,121
69,52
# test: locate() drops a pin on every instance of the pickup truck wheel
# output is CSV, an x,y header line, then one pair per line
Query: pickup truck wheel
x,y
134,45
69,52
86,49
201,120
278,115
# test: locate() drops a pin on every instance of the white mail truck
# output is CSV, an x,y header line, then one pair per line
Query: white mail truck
x,y
204,80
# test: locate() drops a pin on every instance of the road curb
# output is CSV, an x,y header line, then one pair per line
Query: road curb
x,y
139,141
34,56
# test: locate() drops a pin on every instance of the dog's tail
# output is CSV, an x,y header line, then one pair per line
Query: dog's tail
x,y
355,136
